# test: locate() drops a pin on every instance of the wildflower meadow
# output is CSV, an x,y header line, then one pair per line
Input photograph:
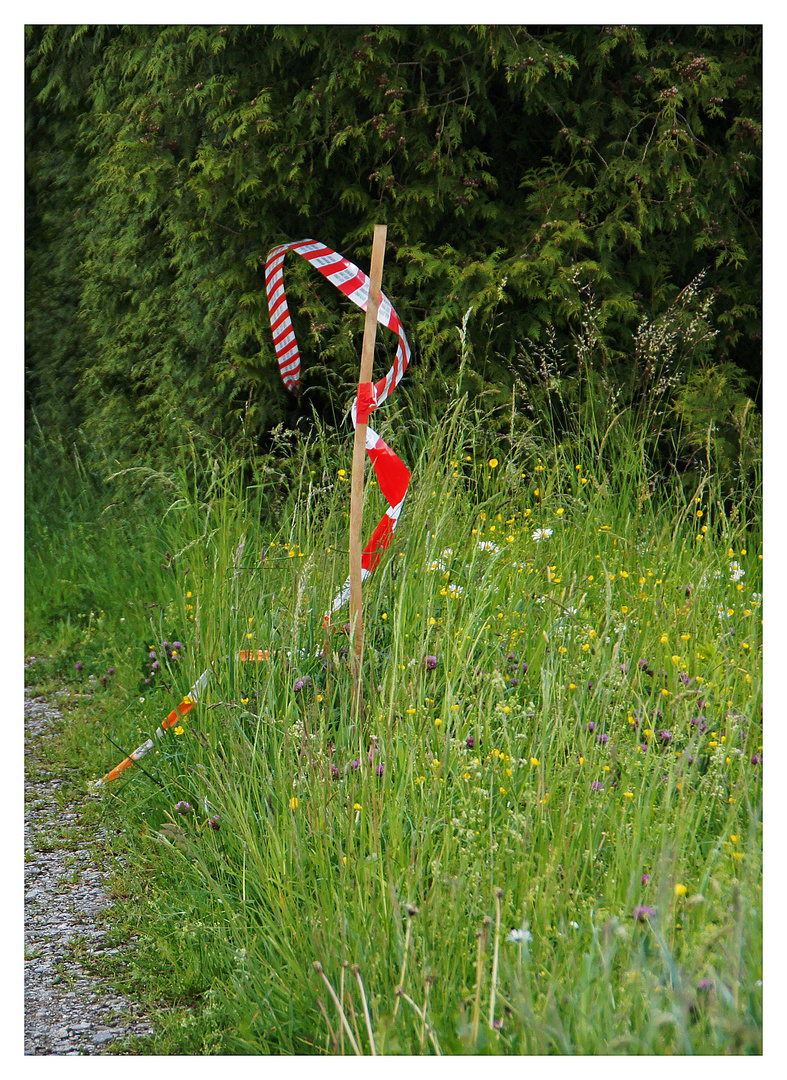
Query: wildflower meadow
x,y
542,833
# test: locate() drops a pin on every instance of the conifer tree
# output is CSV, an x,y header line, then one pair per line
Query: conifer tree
x,y
520,170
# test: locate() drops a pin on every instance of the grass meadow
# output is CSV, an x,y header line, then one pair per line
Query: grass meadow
x,y
541,836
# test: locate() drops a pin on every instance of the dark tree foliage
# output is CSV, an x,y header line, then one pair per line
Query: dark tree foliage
x,y
519,170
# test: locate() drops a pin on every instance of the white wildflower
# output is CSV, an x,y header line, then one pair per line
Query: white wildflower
x,y
542,534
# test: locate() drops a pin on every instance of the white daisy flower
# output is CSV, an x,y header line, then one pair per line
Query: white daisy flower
x,y
522,935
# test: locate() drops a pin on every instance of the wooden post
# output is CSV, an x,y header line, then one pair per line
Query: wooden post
x,y
359,458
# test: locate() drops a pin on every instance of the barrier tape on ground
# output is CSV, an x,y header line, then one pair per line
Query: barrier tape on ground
x,y
392,474
179,713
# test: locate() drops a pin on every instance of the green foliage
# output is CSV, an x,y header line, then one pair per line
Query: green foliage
x,y
515,167
562,672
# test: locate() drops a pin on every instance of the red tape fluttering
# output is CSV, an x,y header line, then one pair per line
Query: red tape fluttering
x,y
392,474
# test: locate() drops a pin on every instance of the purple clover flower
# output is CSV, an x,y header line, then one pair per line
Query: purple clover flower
x,y
645,879
430,662
214,823
603,738
597,786
591,725
182,808
470,743
665,737
642,912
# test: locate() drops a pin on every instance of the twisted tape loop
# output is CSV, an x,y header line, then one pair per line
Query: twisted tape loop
x,y
349,280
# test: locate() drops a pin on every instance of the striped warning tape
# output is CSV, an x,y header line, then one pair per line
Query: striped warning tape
x,y
392,474
349,280
180,712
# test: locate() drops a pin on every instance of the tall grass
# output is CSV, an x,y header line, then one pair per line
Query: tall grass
x,y
543,835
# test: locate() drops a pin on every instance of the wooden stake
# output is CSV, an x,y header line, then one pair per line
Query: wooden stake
x,y
359,458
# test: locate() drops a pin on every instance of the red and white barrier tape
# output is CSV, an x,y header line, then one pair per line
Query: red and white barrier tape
x,y
178,713
392,474
349,280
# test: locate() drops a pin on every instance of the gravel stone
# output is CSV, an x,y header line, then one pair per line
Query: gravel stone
x,y
68,1011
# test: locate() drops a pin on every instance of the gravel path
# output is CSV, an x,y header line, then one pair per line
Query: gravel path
x,y
68,1011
